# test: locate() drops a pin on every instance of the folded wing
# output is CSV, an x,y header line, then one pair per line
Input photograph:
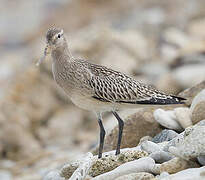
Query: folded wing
x,y
113,86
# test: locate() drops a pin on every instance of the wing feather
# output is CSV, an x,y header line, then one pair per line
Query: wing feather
x,y
112,86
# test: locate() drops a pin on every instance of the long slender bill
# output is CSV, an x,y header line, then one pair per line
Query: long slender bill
x,y
46,53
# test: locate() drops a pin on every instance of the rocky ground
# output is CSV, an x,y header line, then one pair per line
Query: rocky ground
x,y
177,152
157,42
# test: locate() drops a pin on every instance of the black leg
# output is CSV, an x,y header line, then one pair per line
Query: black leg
x,y
121,125
102,136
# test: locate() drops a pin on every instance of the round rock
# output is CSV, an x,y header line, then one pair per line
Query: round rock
x,y
201,160
198,107
183,116
165,135
167,119
176,164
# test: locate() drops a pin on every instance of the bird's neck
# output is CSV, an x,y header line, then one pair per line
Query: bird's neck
x,y
62,54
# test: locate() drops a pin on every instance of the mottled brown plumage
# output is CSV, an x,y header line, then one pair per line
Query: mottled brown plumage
x,y
98,88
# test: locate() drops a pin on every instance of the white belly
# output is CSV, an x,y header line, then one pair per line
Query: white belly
x,y
91,104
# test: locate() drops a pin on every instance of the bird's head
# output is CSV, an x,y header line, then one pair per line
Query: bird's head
x,y
55,40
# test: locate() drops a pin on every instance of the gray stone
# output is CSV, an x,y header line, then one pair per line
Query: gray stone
x,y
201,160
161,156
189,144
165,135
155,151
188,174
150,147
173,142
201,123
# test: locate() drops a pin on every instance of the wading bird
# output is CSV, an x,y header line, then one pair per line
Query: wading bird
x,y
97,88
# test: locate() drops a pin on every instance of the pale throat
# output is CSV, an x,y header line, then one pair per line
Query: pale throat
x,y
60,52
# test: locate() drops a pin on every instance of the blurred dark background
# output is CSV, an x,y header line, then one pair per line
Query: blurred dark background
x,y
157,42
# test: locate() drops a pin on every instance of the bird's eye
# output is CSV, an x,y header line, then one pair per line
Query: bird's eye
x,y
59,36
